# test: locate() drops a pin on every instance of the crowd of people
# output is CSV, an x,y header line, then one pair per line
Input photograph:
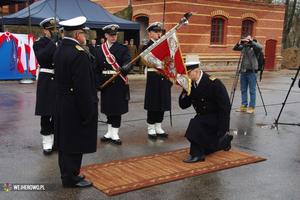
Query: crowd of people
x,y
71,74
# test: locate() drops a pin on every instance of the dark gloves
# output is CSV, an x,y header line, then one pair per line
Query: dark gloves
x,y
125,69
99,88
221,133
54,37
88,120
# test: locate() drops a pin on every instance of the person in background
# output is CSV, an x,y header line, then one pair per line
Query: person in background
x,y
207,130
158,91
44,49
76,110
114,96
133,52
249,67
140,50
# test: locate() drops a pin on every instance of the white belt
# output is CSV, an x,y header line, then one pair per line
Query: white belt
x,y
109,72
151,70
50,71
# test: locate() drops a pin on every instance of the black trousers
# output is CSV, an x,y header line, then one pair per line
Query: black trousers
x,y
197,150
155,117
69,165
115,121
47,123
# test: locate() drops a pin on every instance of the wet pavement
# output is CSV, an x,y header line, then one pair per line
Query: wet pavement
x,y
22,160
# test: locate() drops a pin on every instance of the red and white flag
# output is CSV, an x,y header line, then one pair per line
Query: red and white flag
x,y
166,59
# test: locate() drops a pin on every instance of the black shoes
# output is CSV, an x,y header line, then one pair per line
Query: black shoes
x,y
81,184
165,135
154,136
104,139
194,159
230,137
47,151
118,141
82,177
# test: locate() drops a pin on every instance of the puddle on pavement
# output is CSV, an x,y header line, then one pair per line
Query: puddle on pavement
x,y
266,126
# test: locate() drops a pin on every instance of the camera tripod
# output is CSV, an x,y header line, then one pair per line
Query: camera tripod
x,y
283,104
236,80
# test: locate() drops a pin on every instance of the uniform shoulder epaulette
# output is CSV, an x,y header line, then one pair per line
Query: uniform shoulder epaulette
x,y
212,78
79,48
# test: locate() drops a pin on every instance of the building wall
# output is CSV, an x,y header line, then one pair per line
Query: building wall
x,y
195,37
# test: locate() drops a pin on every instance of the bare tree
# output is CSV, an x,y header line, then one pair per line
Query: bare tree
x,y
288,19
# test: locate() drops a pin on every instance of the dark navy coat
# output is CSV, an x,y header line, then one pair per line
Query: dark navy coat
x,y
46,86
158,90
212,105
113,96
76,100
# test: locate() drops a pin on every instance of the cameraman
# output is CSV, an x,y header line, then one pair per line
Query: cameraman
x,y
249,66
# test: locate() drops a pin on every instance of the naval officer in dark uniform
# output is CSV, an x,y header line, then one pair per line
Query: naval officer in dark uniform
x,y
206,131
111,57
158,91
44,49
76,113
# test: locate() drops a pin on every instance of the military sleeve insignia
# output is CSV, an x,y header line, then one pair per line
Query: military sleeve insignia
x,y
79,48
38,39
212,78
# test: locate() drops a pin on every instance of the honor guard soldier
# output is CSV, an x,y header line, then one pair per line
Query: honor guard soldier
x,y
44,49
158,91
206,131
111,57
76,113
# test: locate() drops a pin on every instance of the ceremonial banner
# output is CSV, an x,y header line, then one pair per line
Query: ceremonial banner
x,y
166,59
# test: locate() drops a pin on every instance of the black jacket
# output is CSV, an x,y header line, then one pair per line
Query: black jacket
x,y
212,105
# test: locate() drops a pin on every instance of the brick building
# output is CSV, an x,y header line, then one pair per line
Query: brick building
x,y
213,30
216,27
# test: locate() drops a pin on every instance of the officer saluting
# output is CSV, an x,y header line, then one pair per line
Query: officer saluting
x,y
206,131
44,49
110,58
158,91
76,114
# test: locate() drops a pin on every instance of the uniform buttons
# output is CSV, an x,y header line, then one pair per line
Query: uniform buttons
x,y
162,79
204,107
113,81
71,89
192,100
195,108
202,99
52,64
52,78
198,113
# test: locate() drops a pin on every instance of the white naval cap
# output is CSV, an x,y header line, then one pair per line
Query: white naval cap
x,y
111,29
154,26
192,65
74,23
49,23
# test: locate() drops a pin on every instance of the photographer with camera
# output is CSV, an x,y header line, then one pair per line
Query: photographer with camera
x,y
249,66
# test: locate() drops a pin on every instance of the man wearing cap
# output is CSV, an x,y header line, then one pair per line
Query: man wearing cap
x,y
207,130
140,50
44,49
111,57
76,110
132,51
158,91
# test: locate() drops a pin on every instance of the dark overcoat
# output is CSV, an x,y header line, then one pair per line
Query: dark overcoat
x,y
158,90
113,96
76,100
212,105
46,85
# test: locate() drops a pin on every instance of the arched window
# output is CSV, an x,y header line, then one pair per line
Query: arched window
x,y
247,27
217,31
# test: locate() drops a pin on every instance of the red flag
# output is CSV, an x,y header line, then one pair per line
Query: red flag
x,y
166,58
